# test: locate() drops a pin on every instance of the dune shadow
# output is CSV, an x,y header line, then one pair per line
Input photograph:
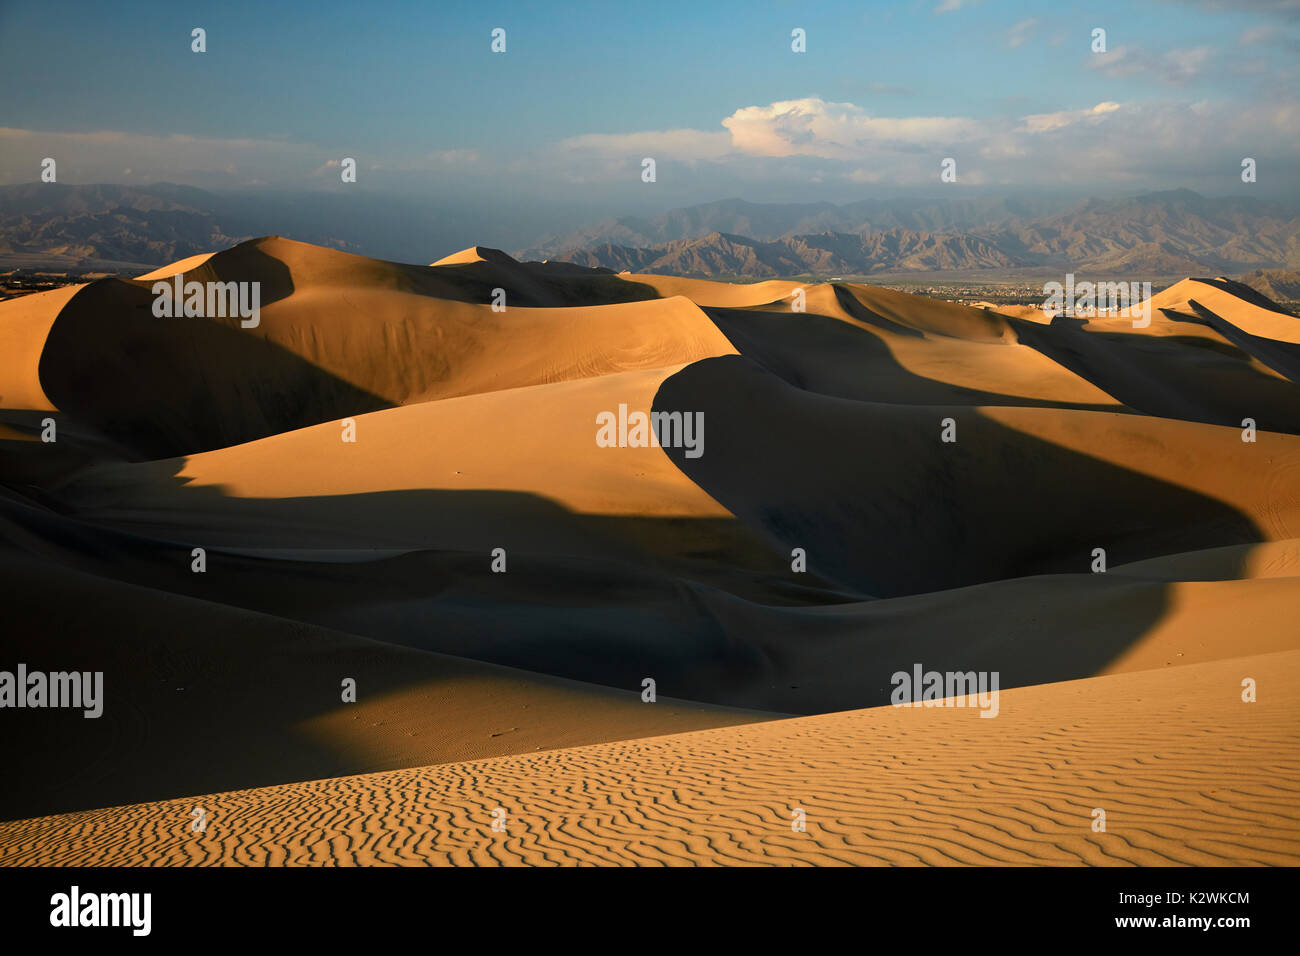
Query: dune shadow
x,y
712,609
1176,377
171,386
544,284
1248,293
892,510
1281,357
201,696
878,508
819,353
850,304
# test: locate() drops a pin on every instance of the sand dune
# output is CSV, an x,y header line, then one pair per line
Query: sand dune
x,y
883,479
24,327
706,293
473,254
180,266
1275,559
850,352
1249,310
1208,782
433,446
1004,499
337,335
625,603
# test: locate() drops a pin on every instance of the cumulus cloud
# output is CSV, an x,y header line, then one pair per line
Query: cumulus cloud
x,y
1156,143
814,127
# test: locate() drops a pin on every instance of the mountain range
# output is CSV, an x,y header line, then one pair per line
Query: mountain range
x,y
1175,232
123,229
1178,232
825,254
113,226
768,221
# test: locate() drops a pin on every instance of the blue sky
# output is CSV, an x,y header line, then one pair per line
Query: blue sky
x,y
711,90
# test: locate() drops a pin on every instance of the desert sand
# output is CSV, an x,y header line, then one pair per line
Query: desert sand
x,y
1210,784
501,586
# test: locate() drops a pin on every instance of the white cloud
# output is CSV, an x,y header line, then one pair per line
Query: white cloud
x,y
1046,122
1257,35
1173,67
206,162
787,144
1158,143
1018,35
106,155
864,176
681,144
455,157
1285,9
814,127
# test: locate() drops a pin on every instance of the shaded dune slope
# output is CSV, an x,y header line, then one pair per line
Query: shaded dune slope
x,y
203,695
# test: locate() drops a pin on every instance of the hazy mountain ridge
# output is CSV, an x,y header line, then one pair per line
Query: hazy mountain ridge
x,y
1169,233
66,226
115,223
1178,227
826,253
769,221
1176,232
1277,284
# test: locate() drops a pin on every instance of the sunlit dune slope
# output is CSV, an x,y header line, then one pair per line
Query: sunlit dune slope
x,y
24,327
1157,768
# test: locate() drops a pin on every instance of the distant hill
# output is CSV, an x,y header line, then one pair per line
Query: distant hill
x,y
1158,234
1178,232
768,221
829,253
67,227
1165,231
1278,284
140,225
